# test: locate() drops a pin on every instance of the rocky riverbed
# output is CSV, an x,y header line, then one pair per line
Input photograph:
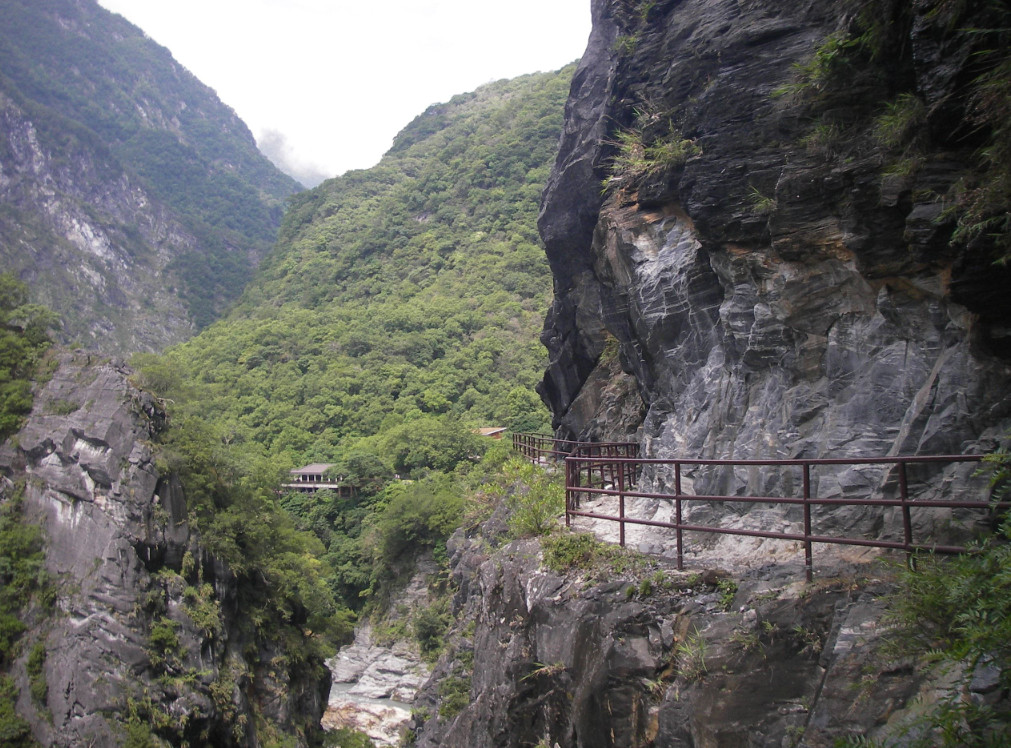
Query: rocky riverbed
x,y
373,686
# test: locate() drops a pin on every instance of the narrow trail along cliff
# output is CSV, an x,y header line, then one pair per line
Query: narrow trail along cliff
x,y
747,263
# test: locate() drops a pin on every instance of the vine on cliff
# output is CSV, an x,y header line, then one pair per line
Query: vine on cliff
x,y
23,340
651,147
23,581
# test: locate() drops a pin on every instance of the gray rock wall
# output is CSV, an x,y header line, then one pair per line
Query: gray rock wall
x,y
90,240
146,624
599,657
772,296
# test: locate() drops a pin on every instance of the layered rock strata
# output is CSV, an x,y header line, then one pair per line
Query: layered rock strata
x,y
777,292
146,634
90,238
615,655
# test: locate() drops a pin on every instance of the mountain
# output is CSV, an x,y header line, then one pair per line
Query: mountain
x,y
134,203
774,230
400,308
400,297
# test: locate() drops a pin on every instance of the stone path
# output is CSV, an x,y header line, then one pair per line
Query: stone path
x,y
735,553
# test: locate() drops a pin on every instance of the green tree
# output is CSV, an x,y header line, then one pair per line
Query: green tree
x,y
413,289
364,472
432,443
23,339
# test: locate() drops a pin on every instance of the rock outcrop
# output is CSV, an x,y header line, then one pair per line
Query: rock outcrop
x,y
146,635
782,289
373,686
89,242
376,677
629,653
758,278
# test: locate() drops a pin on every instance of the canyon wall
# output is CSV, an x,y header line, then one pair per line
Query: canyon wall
x,y
135,204
788,287
146,637
745,266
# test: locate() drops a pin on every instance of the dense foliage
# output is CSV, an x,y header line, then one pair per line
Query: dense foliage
x,y
279,616
402,305
232,504
22,580
957,612
23,339
89,78
323,555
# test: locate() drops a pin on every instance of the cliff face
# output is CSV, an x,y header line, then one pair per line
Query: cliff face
x,y
147,637
135,203
90,240
786,286
745,266
628,653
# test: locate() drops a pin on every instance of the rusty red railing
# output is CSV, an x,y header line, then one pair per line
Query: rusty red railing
x,y
614,469
543,448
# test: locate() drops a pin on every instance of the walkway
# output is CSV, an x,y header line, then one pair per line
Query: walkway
x,y
775,508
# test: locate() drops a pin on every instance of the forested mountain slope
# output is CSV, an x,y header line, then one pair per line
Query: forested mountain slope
x,y
133,201
400,298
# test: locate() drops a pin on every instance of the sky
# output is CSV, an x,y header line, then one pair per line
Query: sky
x,y
325,85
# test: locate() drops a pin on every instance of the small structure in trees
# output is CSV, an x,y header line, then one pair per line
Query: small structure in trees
x,y
317,477
492,432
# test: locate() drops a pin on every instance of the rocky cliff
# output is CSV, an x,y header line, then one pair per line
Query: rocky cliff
x,y
148,638
761,249
774,266
561,642
90,240
134,202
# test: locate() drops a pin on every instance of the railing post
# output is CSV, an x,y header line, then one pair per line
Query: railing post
x,y
677,517
577,477
587,465
621,508
907,523
808,553
568,489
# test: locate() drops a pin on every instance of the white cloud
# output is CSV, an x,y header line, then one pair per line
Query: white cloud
x,y
275,146
339,78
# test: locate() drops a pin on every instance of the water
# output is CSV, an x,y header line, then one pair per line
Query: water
x,y
340,693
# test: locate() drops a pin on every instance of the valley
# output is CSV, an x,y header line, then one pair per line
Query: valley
x,y
733,233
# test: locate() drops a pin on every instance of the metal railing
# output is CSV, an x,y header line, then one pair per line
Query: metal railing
x,y
614,469
589,474
543,448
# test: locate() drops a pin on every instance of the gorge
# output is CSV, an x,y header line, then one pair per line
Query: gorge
x,y
773,230
746,265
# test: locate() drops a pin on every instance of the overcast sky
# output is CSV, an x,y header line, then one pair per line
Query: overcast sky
x,y
326,84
